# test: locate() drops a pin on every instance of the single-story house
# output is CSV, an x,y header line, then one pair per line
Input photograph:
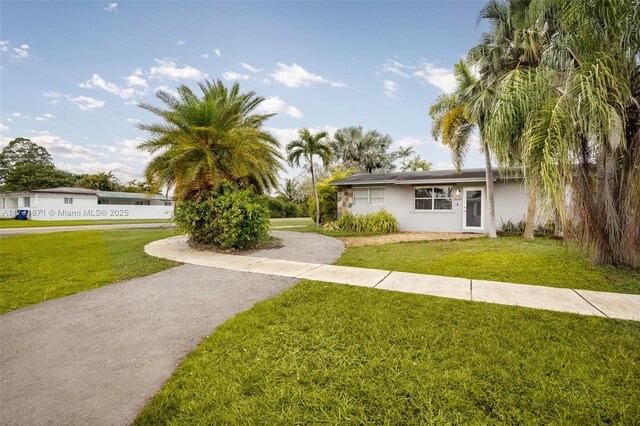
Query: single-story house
x,y
439,200
80,203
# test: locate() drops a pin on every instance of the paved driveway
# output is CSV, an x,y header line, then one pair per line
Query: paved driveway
x,y
7,232
96,357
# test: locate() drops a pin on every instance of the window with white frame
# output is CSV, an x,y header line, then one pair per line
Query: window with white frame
x,y
368,196
27,202
68,200
433,198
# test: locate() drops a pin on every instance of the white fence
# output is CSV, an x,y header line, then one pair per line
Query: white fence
x,y
92,212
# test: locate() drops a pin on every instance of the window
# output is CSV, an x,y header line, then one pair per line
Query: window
x,y
27,202
368,196
433,198
68,200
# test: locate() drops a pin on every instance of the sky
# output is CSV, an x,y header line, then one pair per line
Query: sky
x,y
73,73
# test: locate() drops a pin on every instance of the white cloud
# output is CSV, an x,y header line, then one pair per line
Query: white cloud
x,y
232,75
132,120
217,52
127,150
4,128
111,7
439,77
20,53
137,71
284,136
296,76
249,67
411,141
62,148
172,91
4,45
55,97
205,56
167,68
390,88
123,172
45,117
17,115
181,43
86,103
114,89
394,67
276,105
135,80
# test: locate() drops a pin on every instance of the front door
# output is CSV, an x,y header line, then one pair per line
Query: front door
x,y
472,210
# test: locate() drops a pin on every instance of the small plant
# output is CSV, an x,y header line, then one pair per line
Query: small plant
x,y
512,228
380,222
227,218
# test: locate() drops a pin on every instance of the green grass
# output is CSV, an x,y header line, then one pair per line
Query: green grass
x,y
300,223
12,223
39,267
327,353
543,261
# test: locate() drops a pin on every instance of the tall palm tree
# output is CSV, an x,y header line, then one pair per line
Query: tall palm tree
x,y
210,138
416,164
454,119
364,151
404,153
289,189
512,46
306,147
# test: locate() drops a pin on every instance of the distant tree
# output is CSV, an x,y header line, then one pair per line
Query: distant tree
x,y
22,151
404,153
139,186
289,189
364,151
306,147
416,164
29,176
100,181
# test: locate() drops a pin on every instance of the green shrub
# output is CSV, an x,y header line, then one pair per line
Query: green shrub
x,y
276,207
226,218
510,227
292,210
379,222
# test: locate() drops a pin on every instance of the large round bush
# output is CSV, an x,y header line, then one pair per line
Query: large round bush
x,y
228,218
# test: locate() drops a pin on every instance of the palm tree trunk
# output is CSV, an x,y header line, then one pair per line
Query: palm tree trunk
x,y
531,214
315,194
490,193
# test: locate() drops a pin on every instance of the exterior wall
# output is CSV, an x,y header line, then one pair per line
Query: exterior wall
x,y
51,207
345,200
510,199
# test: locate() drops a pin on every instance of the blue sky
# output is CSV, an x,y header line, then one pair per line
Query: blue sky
x,y
72,73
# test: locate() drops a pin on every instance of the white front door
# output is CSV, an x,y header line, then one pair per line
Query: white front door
x,y
473,209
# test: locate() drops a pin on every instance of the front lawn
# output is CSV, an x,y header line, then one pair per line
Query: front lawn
x,y
38,267
12,223
293,224
334,354
542,261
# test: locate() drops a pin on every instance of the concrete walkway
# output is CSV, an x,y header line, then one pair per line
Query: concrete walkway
x,y
7,232
585,302
96,357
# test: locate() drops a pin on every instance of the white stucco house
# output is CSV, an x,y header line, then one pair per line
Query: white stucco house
x,y
80,203
439,200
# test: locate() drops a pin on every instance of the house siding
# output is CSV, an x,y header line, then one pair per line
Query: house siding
x,y
510,204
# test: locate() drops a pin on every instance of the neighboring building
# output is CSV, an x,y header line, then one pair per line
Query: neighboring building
x,y
440,200
80,203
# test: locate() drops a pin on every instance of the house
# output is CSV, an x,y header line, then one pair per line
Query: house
x,y
80,203
439,200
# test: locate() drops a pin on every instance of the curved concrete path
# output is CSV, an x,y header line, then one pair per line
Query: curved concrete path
x,y
584,302
96,357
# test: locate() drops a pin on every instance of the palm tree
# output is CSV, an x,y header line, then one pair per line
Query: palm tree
x,y
454,119
289,189
363,151
306,147
582,122
512,46
404,153
100,181
207,139
416,164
